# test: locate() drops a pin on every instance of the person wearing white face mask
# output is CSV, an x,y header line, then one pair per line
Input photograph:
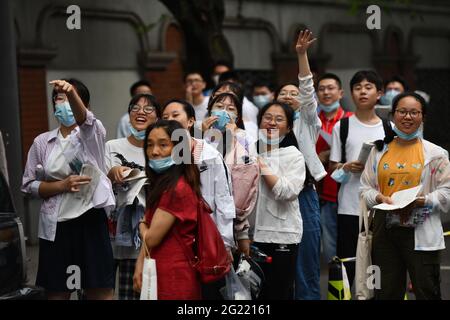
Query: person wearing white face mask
x,y
121,155
73,227
408,239
263,93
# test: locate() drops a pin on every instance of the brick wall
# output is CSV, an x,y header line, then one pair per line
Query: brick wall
x,y
168,84
33,106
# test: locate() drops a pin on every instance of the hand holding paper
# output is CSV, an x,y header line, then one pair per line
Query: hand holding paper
x,y
365,151
400,199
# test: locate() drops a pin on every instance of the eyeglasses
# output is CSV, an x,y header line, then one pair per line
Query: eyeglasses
x,y
222,106
147,109
192,81
293,94
269,118
412,113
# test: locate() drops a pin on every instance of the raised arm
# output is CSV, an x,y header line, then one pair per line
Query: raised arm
x,y
78,108
304,41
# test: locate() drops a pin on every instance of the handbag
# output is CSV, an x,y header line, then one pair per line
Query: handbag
x,y
244,179
149,290
364,254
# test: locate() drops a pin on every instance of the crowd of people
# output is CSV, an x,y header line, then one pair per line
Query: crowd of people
x,y
281,173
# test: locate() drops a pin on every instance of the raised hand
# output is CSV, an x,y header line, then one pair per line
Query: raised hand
x,y
304,41
62,86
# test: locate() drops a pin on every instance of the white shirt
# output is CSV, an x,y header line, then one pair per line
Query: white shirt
x,y
217,190
276,218
130,152
123,130
249,112
358,133
201,110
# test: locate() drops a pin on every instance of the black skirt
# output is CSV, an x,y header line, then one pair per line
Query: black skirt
x,y
80,256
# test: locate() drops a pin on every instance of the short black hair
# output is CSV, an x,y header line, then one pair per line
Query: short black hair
x,y
399,79
277,92
330,76
193,72
263,83
369,75
150,98
234,87
137,84
390,134
81,89
414,95
223,63
229,76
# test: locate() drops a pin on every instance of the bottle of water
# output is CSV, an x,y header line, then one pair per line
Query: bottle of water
x,y
258,255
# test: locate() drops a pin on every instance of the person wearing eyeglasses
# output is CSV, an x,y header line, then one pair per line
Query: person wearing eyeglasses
x,y
275,224
409,239
306,129
194,85
73,226
139,87
329,93
121,156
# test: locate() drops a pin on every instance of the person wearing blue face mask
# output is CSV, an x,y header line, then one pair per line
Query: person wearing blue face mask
x,y
224,127
122,155
172,199
73,227
408,239
263,93
392,88
329,93
276,225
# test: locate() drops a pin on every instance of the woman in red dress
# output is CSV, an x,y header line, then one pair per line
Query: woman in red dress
x,y
171,208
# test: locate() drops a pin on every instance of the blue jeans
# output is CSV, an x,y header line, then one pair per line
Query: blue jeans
x,y
307,277
329,228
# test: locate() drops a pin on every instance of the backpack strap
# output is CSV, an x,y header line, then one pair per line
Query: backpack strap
x,y
386,126
343,134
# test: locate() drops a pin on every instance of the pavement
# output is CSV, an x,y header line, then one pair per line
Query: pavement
x,y
33,254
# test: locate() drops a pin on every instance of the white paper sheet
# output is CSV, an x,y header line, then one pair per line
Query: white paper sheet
x,y
400,199
365,150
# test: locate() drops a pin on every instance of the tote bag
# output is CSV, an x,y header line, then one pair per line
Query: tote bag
x,y
149,290
363,254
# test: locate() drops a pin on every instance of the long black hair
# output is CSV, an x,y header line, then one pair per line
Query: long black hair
x,y
390,134
166,181
289,139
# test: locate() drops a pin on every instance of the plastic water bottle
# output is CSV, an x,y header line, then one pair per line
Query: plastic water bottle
x,y
259,256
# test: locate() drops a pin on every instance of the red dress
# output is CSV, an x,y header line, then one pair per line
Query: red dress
x,y
177,279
